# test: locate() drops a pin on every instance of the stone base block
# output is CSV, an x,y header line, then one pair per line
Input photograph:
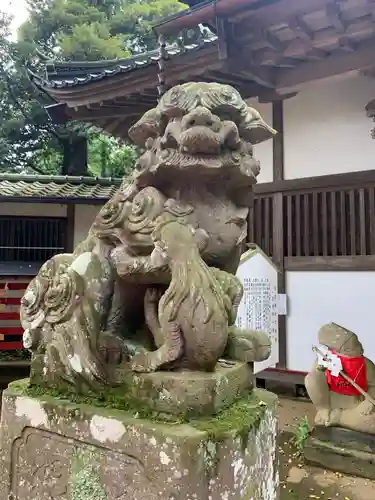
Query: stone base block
x,y
186,394
54,448
191,394
342,450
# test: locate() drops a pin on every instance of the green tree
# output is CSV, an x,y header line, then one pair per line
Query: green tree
x,y
67,30
19,137
94,29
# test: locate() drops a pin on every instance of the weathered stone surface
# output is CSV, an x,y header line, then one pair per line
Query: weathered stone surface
x,y
342,450
192,393
161,256
52,448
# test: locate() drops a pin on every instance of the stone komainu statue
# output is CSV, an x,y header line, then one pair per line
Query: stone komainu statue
x,y
153,286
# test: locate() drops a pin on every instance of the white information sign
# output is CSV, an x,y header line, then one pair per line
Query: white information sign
x,y
260,304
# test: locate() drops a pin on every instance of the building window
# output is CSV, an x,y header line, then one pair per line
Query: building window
x,y
31,239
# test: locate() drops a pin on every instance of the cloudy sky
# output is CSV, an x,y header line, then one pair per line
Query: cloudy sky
x,y
18,10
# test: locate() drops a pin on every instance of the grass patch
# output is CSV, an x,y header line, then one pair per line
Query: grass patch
x,y
301,434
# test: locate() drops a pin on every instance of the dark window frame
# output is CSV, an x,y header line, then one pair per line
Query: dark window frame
x,y
34,239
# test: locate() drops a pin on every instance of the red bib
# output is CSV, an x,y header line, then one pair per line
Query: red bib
x,y
355,368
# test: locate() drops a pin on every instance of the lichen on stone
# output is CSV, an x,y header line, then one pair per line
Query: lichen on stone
x,y
84,481
209,449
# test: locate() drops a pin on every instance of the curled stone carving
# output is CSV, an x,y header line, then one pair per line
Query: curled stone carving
x,y
153,286
64,331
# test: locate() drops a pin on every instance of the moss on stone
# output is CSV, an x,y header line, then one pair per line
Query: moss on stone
x,y
238,419
84,483
117,398
111,399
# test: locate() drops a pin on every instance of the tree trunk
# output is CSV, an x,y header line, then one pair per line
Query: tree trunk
x,y
75,156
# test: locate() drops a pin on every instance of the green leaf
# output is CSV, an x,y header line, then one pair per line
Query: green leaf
x,y
67,30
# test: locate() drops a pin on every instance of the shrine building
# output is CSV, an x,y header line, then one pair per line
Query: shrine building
x,y
40,216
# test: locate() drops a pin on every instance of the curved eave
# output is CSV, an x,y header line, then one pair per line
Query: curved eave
x,y
96,91
127,80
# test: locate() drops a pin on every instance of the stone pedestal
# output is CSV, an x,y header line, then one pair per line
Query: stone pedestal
x,y
342,450
190,394
53,448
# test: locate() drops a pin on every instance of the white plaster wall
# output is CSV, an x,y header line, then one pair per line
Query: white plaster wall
x,y
263,151
84,217
34,209
326,130
316,298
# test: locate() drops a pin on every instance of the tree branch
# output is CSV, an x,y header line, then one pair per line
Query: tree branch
x,y
22,110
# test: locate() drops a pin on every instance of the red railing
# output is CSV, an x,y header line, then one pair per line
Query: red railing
x,y
12,289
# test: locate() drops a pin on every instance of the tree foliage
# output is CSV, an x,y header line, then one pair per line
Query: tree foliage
x,y
67,30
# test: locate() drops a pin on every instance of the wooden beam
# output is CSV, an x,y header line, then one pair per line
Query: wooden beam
x,y
87,114
278,12
238,63
334,263
70,226
335,16
58,113
273,96
112,125
229,78
300,29
204,13
131,100
118,128
335,64
254,33
323,182
245,86
244,67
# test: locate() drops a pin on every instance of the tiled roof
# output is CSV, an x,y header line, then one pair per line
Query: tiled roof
x,y
71,74
57,188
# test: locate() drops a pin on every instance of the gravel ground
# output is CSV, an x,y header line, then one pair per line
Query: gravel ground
x,y
302,482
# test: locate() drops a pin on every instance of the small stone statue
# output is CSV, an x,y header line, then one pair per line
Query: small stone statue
x,y
338,402
153,286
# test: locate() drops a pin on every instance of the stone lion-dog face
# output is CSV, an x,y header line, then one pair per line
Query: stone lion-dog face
x,y
199,125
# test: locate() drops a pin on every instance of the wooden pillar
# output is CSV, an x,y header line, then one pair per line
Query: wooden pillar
x,y
278,141
70,213
278,219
